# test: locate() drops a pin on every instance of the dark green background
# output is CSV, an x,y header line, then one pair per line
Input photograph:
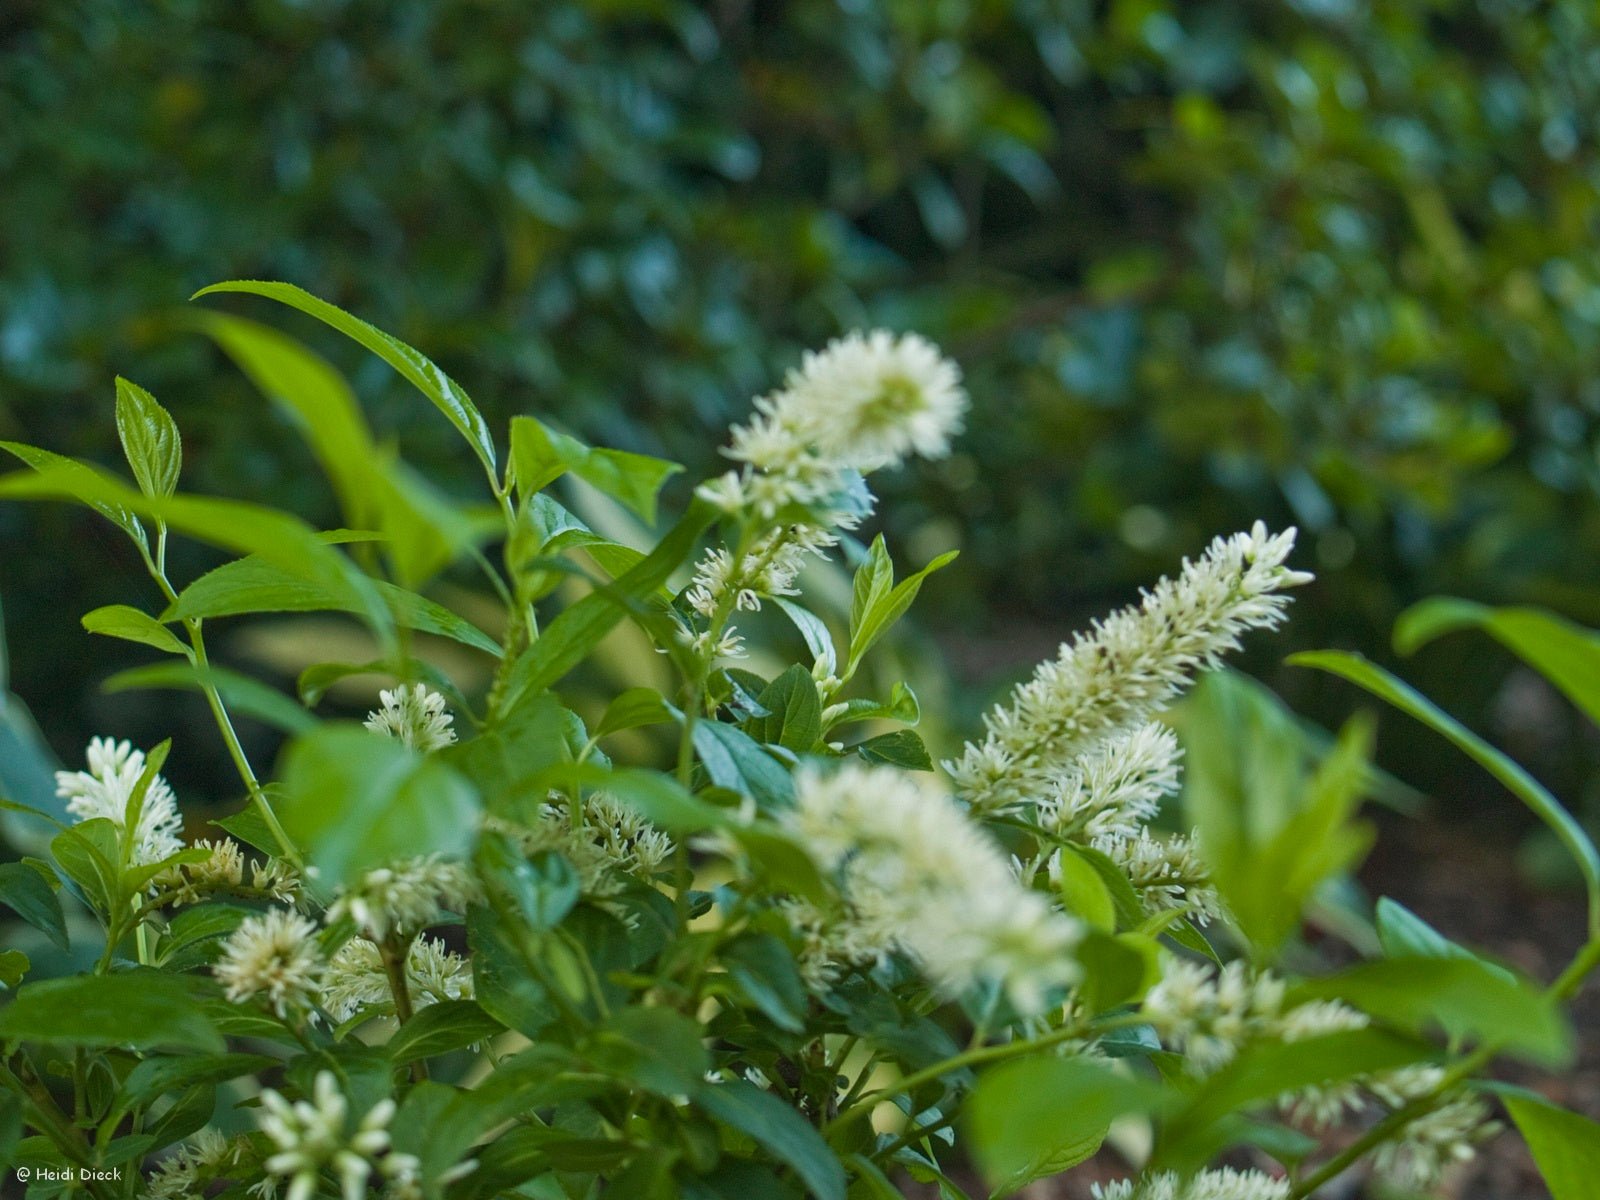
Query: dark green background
x,y
1324,262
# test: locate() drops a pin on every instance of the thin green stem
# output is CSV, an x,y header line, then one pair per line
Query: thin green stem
x,y
983,1054
197,654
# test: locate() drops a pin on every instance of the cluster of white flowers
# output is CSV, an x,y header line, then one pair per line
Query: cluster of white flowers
x,y
1167,872
187,1172
605,841
1127,668
311,1136
1446,1135
415,716
917,875
865,402
105,789
1207,1015
223,871
273,956
1223,1184
1116,788
407,896
356,979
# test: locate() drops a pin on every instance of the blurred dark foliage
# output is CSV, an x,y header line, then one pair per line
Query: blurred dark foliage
x,y
1327,262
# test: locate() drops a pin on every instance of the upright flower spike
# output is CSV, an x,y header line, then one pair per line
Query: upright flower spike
x,y
918,876
105,788
1128,667
415,716
864,402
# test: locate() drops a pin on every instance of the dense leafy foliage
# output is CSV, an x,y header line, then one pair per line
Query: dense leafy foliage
x,y
733,934
1325,262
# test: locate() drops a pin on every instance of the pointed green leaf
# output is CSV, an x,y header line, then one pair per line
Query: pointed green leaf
x,y
1408,700
73,480
141,1009
1565,1145
779,1129
540,455
255,585
131,625
1567,655
447,395
32,898
243,695
150,439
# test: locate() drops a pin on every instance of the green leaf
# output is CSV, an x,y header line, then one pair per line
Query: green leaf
x,y
502,980
656,1048
778,1129
424,531
1272,829
1463,995
231,524
1085,894
569,638
878,602
154,1077
1408,700
440,1028
506,758
27,893
634,708
817,638
256,585
794,712
150,439
1117,968
447,395
736,761
765,971
1567,655
1036,1117
1565,1145
72,480
1403,934
131,625
539,890
1129,910
899,748
88,854
355,800
540,455
141,1009
901,706
193,935
243,695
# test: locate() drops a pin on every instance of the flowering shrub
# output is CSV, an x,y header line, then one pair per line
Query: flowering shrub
x,y
739,938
